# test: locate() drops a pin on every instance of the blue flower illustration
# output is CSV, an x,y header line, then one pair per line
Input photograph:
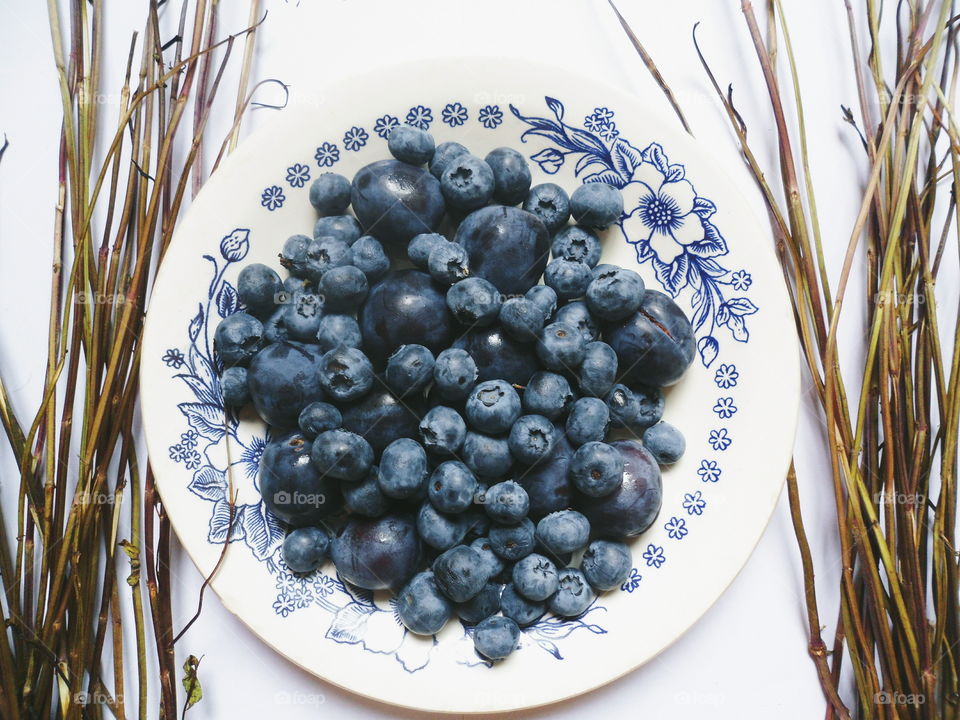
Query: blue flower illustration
x,y
654,556
632,582
725,407
491,116
601,122
285,583
419,116
709,471
323,585
298,174
355,138
676,528
726,376
235,246
385,125
302,595
720,439
173,358
327,154
284,605
189,439
694,503
454,114
272,197
741,280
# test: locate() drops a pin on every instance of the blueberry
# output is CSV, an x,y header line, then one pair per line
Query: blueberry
x,y
547,483
421,246
545,298
234,387
531,439
318,417
497,355
275,329
484,604
411,145
478,524
512,542
343,228
511,175
493,406
302,315
368,255
492,564
258,287
577,315
460,573
506,502
451,487
238,338
365,497
467,182
442,431
550,203
606,565
405,307
576,243
330,194
615,294
563,531
569,278
342,454
445,152
448,263
403,469
323,254
664,442
381,418
293,255
521,319
441,531
421,607
547,394
454,373
304,549
596,469
377,553
631,508
655,345
474,301
573,595
487,455
560,347
338,331
344,288
637,409
290,485
395,201
409,369
516,607
598,371
284,378
346,373
496,637
535,577
588,421
596,204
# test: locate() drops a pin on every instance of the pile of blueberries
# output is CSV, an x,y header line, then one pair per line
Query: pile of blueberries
x,y
448,429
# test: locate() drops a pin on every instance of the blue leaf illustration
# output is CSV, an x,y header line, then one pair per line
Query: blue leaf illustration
x,y
549,160
712,244
708,348
262,532
550,647
196,324
703,207
200,390
227,299
206,419
556,107
220,523
675,173
587,160
208,483
625,158
607,176
738,327
654,155
350,623
740,306
673,277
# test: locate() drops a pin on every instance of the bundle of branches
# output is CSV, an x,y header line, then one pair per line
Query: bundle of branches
x,y
71,578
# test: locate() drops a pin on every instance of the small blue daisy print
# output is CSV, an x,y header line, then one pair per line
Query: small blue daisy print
x,y
720,439
327,154
726,376
654,556
491,116
355,138
272,197
454,114
420,117
385,125
298,174
725,407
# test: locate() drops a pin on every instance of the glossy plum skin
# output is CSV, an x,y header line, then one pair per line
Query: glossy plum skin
x,y
656,344
381,418
498,356
395,201
506,245
377,553
284,378
405,307
631,508
292,488
547,483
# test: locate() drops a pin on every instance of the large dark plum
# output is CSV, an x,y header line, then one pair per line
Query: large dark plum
x,y
655,345
498,356
380,418
506,245
291,487
377,553
632,507
395,201
405,307
284,378
547,484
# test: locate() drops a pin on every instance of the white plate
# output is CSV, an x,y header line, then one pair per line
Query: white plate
x,y
737,405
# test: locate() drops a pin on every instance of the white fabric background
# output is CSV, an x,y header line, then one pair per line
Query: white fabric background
x,y
747,657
